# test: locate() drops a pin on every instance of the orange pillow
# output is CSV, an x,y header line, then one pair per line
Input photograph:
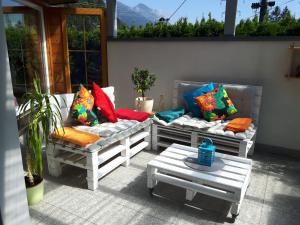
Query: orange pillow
x,y
239,124
75,136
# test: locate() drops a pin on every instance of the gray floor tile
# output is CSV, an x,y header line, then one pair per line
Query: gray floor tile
x,y
190,215
275,216
143,219
283,194
257,189
61,217
122,197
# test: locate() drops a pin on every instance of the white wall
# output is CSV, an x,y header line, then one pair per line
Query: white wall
x,y
244,62
13,201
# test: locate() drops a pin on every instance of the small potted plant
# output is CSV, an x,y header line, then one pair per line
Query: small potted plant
x,y
43,114
143,80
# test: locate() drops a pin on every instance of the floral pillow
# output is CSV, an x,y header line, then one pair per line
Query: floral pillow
x,y
216,105
82,107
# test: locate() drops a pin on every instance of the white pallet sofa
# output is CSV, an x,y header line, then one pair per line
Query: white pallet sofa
x,y
247,100
119,142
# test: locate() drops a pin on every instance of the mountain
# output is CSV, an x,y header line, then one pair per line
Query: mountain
x,y
150,14
139,15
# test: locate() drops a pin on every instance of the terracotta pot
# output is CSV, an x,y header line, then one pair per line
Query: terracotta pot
x,y
144,104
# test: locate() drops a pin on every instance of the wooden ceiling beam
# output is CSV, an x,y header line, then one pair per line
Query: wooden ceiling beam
x,y
49,3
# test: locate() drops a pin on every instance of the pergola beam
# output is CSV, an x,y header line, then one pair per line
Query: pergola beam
x,y
112,26
230,17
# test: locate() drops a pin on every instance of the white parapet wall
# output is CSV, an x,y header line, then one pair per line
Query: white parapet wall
x,y
257,62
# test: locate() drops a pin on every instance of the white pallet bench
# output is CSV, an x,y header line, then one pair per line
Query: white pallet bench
x,y
100,158
118,153
247,99
229,180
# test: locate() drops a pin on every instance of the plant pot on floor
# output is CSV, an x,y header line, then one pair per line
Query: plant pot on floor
x,y
144,104
35,193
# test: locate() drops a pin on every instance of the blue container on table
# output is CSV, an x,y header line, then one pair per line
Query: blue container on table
x,y
206,152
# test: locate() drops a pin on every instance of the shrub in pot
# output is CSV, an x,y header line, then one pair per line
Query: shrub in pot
x,y
143,80
43,115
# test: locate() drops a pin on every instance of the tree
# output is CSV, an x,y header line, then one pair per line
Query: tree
x,y
275,15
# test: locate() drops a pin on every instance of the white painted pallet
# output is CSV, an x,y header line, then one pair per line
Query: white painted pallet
x,y
228,179
246,97
97,161
165,136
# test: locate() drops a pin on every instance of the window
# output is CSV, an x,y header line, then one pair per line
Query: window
x,y
76,47
24,48
84,50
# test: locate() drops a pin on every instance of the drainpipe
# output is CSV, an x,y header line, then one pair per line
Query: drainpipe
x,y
13,200
230,17
112,22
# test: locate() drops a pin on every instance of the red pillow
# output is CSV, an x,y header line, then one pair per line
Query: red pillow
x,y
130,114
102,101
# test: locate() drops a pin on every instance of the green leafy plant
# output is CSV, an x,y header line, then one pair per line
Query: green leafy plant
x,y
143,80
44,114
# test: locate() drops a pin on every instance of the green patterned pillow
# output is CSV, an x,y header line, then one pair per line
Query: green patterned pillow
x,y
216,105
82,107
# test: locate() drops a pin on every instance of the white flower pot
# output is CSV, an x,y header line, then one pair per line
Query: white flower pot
x,y
144,104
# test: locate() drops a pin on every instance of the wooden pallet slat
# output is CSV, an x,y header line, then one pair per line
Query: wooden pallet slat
x,y
225,167
109,153
189,174
136,149
138,136
217,173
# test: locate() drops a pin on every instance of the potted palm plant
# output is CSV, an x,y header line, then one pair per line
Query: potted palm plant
x,y
43,115
143,80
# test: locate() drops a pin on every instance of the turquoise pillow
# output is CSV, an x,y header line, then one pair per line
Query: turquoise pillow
x,y
189,98
170,115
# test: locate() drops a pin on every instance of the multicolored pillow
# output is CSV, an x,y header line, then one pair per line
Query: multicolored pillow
x,y
216,105
82,107
189,98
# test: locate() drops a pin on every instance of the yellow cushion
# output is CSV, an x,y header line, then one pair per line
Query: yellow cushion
x,y
75,136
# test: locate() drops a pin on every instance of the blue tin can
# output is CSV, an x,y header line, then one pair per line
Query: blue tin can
x,y
206,152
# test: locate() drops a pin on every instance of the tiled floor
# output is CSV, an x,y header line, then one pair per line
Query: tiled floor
x,y
122,198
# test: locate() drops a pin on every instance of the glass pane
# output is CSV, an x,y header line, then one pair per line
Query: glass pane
x,y
24,50
75,32
17,73
93,67
77,67
15,29
92,32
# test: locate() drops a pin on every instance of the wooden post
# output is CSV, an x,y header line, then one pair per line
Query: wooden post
x,y
194,139
54,167
151,183
112,22
92,170
126,153
154,137
190,194
243,149
148,138
230,17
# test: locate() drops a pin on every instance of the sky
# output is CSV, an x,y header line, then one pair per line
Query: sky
x,y
194,9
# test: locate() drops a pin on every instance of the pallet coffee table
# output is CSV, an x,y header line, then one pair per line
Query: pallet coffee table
x,y
227,179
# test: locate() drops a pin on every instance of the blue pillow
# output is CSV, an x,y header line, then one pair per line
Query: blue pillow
x,y
189,98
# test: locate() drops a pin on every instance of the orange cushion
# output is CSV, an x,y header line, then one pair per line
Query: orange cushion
x,y
75,136
239,124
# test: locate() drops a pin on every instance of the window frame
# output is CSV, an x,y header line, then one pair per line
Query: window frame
x,y
101,13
